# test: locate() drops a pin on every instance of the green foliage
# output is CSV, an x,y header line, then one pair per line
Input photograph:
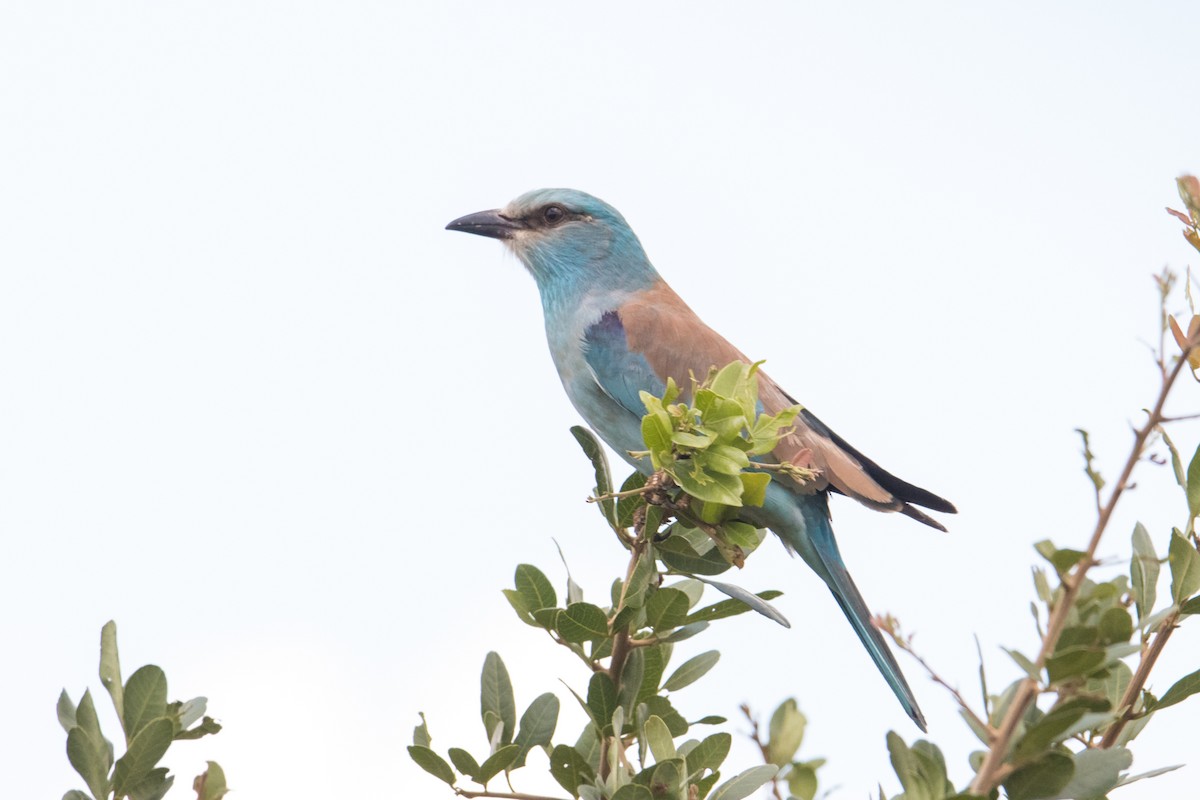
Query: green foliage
x,y
635,743
149,724
706,447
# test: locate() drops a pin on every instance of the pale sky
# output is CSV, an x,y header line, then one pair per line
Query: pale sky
x,y
260,408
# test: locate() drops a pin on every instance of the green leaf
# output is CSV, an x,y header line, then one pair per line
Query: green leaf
x,y
110,670
588,746
684,632
1143,569
595,454
496,696
1076,662
537,725
1190,607
708,486
1116,626
669,775
631,680
1184,688
519,605
931,766
1112,686
87,749
692,587
432,763
145,699
147,747
755,602
679,554
1045,777
206,727
656,659
1154,773
601,699
709,754
154,786
659,738
666,609
745,783
535,587
802,782
569,768
497,762
581,622
698,440
1176,463
904,762
691,670
1193,485
1051,728
1097,772
754,488
661,707
705,784
639,581
211,784
656,430
632,791
1024,663
786,732
66,711
75,794
1185,562
1152,622
731,460
727,608
465,763
1077,636
627,505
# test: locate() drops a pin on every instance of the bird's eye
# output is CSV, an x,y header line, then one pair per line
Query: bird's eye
x,y
553,215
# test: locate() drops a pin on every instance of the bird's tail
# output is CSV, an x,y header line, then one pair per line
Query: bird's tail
x,y
824,547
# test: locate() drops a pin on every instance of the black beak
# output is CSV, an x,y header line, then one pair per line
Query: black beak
x,y
487,223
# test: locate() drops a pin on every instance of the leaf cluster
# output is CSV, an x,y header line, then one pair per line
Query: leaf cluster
x,y
635,743
632,712
1075,744
708,447
149,724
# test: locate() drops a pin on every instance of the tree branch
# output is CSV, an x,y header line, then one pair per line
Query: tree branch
x,y
1134,690
993,770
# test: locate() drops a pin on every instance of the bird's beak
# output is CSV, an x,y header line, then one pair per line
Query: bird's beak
x,y
487,223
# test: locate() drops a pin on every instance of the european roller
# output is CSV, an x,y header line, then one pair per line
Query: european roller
x,y
615,328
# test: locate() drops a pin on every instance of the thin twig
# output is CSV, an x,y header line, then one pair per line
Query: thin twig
x,y
763,747
618,495
993,770
505,795
1134,690
890,625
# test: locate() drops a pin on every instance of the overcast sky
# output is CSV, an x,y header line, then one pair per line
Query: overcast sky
x,y
260,408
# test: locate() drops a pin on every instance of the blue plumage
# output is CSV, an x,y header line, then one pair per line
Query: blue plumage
x,y
615,328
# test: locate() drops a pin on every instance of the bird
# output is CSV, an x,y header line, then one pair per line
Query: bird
x,y
615,328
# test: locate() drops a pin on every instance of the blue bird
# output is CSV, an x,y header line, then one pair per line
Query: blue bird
x,y
615,328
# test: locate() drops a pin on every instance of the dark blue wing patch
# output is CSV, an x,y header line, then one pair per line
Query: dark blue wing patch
x,y
620,372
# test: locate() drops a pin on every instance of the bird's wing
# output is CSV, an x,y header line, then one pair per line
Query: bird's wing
x,y
655,335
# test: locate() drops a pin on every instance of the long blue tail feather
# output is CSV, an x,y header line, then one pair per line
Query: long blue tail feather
x,y
810,534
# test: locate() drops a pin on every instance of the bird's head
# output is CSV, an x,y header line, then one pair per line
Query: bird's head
x,y
564,235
